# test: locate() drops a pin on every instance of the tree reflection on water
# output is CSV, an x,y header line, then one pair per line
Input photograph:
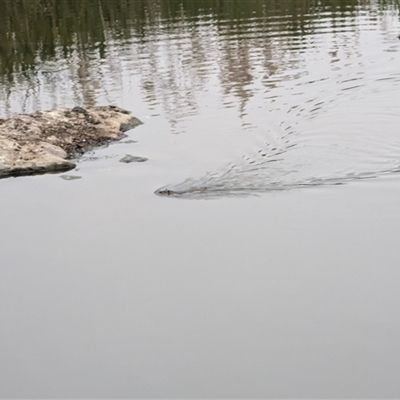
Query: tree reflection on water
x,y
49,43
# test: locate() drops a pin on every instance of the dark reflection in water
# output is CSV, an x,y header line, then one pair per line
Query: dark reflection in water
x,y
39,38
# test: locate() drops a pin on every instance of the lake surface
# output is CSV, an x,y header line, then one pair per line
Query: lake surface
x,y
269,265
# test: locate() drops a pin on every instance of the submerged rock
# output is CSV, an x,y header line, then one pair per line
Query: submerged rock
x,y
70,177
49,141
129,159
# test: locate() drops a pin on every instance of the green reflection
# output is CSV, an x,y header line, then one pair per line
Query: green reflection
x,y
33,30
69,51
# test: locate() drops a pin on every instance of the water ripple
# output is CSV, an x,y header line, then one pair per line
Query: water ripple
x,y
303,95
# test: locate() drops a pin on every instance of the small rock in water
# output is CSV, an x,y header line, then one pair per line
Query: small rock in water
x,y
128,141
70,177
129,158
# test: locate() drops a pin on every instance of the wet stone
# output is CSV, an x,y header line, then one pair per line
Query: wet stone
x,y
129,159
49,141
129,141
70,177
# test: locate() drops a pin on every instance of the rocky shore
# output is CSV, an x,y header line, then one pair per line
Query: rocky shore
x,y
51,141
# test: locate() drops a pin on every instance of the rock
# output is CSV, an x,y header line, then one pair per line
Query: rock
x,y
70,177
128,159
130,141
50,141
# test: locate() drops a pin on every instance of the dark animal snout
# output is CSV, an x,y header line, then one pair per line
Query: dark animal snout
x,y
165,192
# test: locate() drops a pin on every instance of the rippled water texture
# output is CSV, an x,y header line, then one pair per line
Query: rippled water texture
x,y
300,94
110,291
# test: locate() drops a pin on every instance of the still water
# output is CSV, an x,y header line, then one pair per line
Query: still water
x,y
271,270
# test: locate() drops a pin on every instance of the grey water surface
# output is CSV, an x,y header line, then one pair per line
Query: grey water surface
x,y
110,291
